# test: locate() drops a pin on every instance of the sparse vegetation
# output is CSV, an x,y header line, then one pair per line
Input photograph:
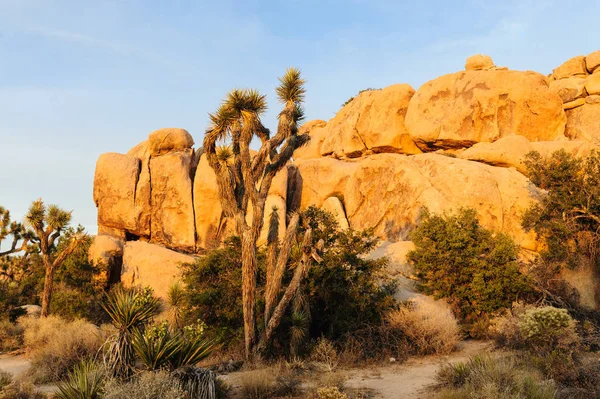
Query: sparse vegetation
x,y
490,378
348,101
145,385
428,328
56,345
21,390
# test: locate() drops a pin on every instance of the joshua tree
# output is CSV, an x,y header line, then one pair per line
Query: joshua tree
x,y
244,181
14,229
48,223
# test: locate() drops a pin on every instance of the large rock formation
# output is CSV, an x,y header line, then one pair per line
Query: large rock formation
x,y
464,108
159,203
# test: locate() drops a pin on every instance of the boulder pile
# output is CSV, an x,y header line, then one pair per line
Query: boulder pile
x,y
457,141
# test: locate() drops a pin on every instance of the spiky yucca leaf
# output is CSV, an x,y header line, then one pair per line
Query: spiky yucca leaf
x,y
224,154
83,382
129,311
56,218
129,308
155,347
298,115
191,350
291,86
246,100
36,214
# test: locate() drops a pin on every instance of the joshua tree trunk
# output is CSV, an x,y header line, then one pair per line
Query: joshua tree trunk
x,y
249,289
48,287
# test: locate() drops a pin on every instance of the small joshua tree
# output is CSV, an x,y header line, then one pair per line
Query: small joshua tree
x,y
48,223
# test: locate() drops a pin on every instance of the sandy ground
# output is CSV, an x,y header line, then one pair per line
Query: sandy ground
x,y
18,366
414,378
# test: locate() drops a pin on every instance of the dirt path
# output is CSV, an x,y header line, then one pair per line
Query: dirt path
x,y
413,378
18,365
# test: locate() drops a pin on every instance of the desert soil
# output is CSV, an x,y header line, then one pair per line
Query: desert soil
x,y
414,378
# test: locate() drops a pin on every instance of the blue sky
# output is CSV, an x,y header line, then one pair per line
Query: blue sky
x,y
83,77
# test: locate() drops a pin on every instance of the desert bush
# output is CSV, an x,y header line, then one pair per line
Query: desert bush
x,y
21,390
428,328
329,393
474,269
5,379
548,328
343,293
145,385
258,384
11,336
546,334
490,378
56,345
85,381
325,354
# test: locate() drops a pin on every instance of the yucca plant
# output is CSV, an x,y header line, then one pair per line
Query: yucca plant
x,y
83,382
130,310
163,348
175,299
155,347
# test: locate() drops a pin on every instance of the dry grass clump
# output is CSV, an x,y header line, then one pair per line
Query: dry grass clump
x,y
491,378
56,345
429,328
5,379
11,336
324,355
146,385
329,393
258,384
21,390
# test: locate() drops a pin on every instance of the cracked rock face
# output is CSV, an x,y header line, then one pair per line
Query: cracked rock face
x,y
372,122
388,191
468,107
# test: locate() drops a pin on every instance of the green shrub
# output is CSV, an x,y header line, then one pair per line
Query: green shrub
x,y
490,378
85,381
56,345
475,270
342,294
547,328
